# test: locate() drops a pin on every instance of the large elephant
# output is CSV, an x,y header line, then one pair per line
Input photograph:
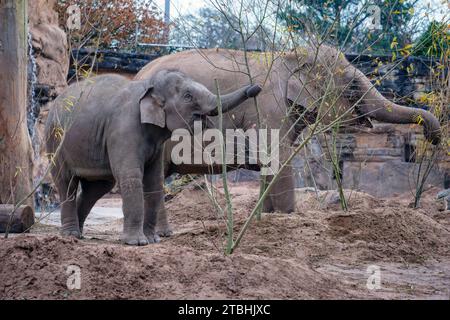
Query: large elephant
x,y
108,128
299,86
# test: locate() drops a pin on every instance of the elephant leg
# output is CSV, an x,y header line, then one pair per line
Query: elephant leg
x,y
67,189
281,197
267,204
131,187
153,197
91,191
163,228
152,202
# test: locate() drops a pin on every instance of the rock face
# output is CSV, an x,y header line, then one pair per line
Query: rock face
x,y
404,81
382,161
51,58
50,47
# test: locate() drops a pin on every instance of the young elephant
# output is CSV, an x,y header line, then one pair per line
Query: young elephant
x,y
109,129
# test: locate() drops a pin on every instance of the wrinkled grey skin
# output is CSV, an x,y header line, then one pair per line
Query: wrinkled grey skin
x,y
114,130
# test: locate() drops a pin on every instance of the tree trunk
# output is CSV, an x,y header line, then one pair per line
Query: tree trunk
x,y
21,221
15,144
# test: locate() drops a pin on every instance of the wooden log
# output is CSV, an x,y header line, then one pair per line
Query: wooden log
x,y
15,143
22,219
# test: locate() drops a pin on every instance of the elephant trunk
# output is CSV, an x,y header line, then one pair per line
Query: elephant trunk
x,y
234,99
374,105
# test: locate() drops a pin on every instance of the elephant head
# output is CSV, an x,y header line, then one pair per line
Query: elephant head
x,y
324,73
175,101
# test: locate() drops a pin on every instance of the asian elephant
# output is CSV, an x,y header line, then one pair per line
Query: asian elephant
x,y
109,129
314,82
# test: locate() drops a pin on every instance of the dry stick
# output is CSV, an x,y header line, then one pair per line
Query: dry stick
x,y
261,199
420,184
246,62
337,170
230,222
312,175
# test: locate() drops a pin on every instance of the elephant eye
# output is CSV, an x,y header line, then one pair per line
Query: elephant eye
x,y
187,97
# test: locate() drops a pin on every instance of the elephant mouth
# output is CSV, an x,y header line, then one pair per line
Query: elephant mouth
x,y
364,122
361,120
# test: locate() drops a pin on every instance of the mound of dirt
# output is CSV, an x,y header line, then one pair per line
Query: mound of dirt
x,y
375,229
391,234
318,252
35,267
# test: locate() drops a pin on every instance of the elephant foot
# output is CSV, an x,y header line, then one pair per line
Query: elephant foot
x,y
267,207
164,231
81,227
283,207
151,235
153,238
135,239
71,233
284,210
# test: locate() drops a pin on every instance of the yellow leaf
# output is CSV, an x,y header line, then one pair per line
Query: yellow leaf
x,y
18,171
394,43
419,119
394,56
408,46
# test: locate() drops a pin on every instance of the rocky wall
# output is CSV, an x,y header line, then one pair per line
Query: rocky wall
x,y
50,48
383,161
48,69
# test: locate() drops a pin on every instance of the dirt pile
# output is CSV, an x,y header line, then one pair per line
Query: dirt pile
x,y
318,252
35,267
372,230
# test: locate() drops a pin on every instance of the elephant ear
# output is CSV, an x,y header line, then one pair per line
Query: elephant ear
x,y
151,108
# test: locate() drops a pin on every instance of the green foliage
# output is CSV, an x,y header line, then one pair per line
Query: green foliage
x,y
320,16
434,42
345,22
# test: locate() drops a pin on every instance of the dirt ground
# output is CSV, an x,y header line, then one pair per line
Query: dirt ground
x,y
319,252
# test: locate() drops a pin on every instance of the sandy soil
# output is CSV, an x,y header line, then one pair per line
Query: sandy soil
x,y
317,252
